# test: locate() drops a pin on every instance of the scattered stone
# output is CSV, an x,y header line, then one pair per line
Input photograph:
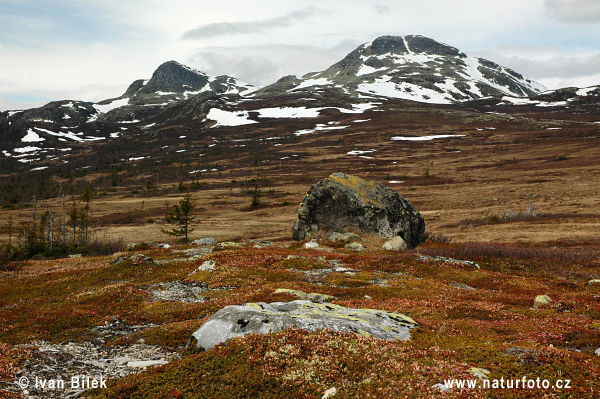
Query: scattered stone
x,y
449,260
344,237
115,328
597,352
479,372
261,243
541,300
75,256
118,260
462,286
395,244
139,259
178,291
313,297
146,363
524,355
207,266
311,245
440,387
329,393
227,245
355,246
593,282
52,361
342,202
205,241
263,318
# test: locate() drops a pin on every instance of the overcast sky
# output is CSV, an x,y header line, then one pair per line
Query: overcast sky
x,y
92,50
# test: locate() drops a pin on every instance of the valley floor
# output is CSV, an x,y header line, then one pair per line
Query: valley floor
x,y
71,315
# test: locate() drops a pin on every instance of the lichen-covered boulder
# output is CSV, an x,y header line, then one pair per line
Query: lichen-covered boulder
x,y
263,318
344,202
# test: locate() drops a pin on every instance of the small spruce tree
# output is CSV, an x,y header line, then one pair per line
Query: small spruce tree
x,y
180,215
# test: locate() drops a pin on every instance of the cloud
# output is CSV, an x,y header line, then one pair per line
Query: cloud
x,y
381,8
236,28
265,64
574,11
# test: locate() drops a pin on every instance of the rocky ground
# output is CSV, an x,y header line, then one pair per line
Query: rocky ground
x,y
479,312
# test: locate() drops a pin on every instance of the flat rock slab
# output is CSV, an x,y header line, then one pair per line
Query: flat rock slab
x,y
264,318
178,291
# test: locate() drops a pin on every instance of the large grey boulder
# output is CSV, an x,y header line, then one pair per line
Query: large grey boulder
x,y
263,318
345,202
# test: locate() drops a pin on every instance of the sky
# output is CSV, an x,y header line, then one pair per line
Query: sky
x,y
92,50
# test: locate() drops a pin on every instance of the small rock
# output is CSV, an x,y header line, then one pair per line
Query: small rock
x,y
479,372
344,237
524,355
313,297
355,246
395,244
593,282
462,286
329,393
146,363
139,259
118,260
541,300
440,387
311,245
207,266
205,241
75,256
597,352
227,245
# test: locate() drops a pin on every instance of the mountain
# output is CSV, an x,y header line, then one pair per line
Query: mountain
x,y
376,77
413,68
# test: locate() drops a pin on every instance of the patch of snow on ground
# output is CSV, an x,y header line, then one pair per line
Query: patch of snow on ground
x,y
288,112
132,121
518,100
396,181
586,90
361,120
32,137
66,117
313,82
103,108
359,152
22,150
358,108
40,168
318,128
136,158
425,138
228,118
554,104
68,135
365,70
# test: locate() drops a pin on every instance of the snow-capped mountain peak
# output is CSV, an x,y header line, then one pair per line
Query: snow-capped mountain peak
x,y
417,68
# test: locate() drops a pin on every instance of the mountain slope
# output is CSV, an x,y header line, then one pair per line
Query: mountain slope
x,y
414,68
